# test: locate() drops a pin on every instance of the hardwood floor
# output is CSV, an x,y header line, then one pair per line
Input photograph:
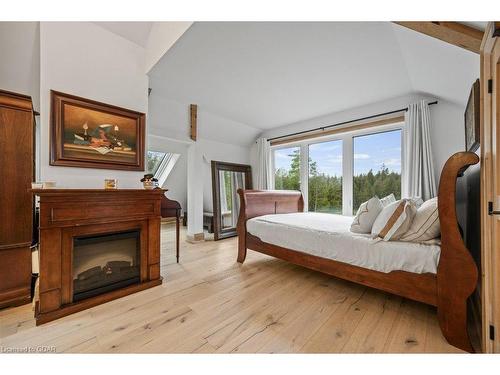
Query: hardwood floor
x,y
210,304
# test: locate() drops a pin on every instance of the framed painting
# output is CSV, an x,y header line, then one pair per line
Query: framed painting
x,y
90,134
472,119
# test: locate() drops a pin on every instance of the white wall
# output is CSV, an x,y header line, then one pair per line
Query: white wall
x,y
219,139
83,59
447,132
170,118
447,124
20,59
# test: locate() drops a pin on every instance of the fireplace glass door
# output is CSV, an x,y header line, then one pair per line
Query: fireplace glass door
x,y
104,263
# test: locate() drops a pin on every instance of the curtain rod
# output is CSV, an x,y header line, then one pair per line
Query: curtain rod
x,y
343,123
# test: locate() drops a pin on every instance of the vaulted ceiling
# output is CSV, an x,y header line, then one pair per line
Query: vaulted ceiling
x,y
268,74
137,32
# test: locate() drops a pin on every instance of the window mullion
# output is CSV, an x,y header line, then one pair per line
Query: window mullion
x,y
304,174
347,172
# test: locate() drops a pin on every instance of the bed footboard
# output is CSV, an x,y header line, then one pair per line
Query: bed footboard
x,y
255,203
457,272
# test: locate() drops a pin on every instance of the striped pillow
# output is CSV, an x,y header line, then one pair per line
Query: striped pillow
x,y
394,220
425,226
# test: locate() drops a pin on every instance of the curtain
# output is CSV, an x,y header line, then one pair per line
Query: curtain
x,y
418,179
264,170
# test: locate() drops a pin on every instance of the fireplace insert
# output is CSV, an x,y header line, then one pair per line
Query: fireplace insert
x,y
102,263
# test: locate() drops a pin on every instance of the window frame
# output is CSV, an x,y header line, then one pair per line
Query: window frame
x,y
347,139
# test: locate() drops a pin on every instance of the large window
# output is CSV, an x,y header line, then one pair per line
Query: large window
x,y
325,177
287,168
377,166
337,173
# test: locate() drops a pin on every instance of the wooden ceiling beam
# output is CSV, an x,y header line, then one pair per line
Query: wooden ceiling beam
x,y
451,32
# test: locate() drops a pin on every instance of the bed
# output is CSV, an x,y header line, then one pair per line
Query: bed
x,y
439,274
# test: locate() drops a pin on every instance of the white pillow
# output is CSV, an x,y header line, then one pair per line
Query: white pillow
x,y
417,200
425,225
388,200
394,220
366,215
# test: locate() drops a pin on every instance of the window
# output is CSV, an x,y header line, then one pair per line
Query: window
x,y
287,168
155,159
377,166
325,177
337,173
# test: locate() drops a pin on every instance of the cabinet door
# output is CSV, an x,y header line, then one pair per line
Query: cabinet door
x,y
16,175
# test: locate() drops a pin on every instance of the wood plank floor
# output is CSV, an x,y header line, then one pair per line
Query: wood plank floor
x,y
210,304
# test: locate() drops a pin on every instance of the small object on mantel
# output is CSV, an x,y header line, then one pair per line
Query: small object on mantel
x,y
110,184
49,184
149,181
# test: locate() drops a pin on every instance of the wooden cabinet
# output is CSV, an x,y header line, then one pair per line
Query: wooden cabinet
x,y
17,150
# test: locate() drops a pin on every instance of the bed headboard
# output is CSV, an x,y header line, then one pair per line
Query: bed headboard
x,y
263,202
469,210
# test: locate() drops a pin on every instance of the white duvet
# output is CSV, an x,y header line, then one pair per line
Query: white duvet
x,y
328,236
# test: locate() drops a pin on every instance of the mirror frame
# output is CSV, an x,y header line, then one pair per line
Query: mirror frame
x,y
218,166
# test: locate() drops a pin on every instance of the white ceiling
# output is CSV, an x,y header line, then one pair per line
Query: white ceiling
x,y
268,74
137,32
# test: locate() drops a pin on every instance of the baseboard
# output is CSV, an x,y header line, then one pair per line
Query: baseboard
x,y
195,238
15,297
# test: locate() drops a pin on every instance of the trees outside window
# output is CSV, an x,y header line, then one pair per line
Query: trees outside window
x,y
377,166
154,159
287,168
325,177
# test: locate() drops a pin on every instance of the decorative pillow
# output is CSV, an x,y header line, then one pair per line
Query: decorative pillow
x,y
366,215
394,220
417,200
388,200
425,225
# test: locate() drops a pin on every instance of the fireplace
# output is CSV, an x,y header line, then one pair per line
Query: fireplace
x,y
104,263
105,247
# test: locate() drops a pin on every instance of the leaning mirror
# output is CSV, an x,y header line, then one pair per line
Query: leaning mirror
x,y
227,178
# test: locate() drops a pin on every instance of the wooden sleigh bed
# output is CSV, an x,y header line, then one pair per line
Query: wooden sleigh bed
x,y
448,290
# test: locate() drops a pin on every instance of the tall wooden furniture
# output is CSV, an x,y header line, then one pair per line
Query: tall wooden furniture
x,y
171,208
68,215
17,150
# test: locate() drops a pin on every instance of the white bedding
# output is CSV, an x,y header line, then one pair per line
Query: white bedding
x,y
328,236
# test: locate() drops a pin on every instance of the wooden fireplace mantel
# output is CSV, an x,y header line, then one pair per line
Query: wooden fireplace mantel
x,y
69,213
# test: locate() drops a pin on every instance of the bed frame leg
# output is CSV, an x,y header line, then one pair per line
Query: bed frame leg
x,y
242,250
453,324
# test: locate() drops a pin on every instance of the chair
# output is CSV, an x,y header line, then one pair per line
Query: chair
x,y
171,208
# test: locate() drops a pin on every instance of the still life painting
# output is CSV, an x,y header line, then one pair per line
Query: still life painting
x,y
90,134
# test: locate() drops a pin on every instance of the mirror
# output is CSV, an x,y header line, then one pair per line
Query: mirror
x,y
227,178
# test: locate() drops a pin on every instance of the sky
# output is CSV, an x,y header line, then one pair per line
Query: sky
x,y
370,152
